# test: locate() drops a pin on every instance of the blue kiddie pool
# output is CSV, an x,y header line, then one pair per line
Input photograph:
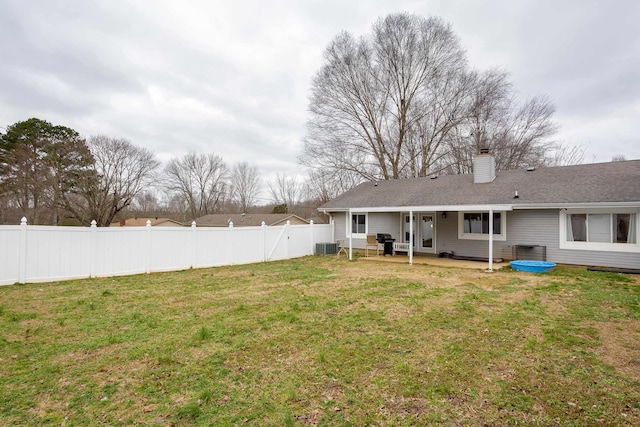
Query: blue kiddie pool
x,y
532,266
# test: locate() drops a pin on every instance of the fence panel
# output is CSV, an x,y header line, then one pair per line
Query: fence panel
x,y
300,240
120,251
248,246
277,243
57,253
170,248
211,247
9,254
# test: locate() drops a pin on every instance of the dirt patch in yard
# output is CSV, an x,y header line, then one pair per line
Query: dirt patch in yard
x,y
621,346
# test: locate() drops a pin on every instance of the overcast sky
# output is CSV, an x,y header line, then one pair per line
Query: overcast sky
x,y
233,77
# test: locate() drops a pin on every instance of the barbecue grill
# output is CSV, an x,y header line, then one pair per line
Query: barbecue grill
x,y
386,240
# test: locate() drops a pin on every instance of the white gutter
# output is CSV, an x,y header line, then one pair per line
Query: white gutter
x,y
594,205
433,208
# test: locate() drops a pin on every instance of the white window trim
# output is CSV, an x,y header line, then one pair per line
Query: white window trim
x,y
477,236
366,226
597,246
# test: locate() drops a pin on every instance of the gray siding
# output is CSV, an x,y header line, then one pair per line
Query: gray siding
x,y
447,240
386,222
339,224
529,227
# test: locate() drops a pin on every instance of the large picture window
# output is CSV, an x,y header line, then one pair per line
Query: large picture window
x,y
475,225
602,228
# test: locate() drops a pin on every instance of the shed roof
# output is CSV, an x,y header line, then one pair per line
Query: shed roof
x,y
596,183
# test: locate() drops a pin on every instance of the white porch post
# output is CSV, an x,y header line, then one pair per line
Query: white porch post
x,y
350,231
490,239
410,237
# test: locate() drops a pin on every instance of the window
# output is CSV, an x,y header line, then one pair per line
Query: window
x,y
359,224
601,227
479,223
475,225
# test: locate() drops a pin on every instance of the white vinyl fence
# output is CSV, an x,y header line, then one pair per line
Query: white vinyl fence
x,y
33,253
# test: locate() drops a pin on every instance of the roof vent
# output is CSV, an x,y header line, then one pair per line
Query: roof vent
x,y
434,177
531,169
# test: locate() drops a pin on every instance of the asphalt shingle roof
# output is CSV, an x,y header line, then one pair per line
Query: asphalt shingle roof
x,y
247,220
587,183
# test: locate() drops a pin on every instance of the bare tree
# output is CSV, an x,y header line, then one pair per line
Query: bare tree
x,y
285,191
618,158
147,201
380,105
562,154
245,185
517,136
121,171
324,185
200,180
402,102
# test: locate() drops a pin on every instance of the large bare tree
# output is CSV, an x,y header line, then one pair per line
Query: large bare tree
x,y
517,135
199,180
381,105
245,185
121,171
402,102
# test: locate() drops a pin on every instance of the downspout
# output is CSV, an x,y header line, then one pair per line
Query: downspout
x,y
410,237
490,239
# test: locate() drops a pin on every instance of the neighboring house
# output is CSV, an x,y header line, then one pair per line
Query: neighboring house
x,y
584,214
248,220
142,222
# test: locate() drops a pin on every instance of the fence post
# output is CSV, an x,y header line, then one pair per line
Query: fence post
x,y
193,244
311,229
93,247
22,257
264,241
231,243
147,258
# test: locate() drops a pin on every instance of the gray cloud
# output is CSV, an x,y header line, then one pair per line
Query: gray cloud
x,y
234,78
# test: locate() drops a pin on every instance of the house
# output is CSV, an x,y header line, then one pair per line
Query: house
x,y
248,220
584,214
142,222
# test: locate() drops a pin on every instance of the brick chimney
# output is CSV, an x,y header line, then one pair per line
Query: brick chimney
x,y
484,167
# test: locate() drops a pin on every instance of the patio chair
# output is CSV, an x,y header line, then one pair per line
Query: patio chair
x,y
342,247
372,243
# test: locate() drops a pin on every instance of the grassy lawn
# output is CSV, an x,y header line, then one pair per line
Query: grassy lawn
x,y
323,341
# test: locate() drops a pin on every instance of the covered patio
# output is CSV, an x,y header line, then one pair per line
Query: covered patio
x,y
437,210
